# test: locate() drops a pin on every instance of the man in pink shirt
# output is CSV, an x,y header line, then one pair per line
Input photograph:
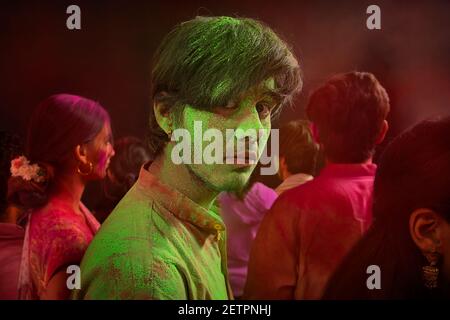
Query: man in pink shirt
x,y
242,216
310,228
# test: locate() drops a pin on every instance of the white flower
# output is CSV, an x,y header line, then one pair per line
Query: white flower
x,y
20,167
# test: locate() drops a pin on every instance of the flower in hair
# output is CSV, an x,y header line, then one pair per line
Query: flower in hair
x,y
21,167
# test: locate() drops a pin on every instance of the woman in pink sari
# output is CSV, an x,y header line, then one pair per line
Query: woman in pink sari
x,y
69,143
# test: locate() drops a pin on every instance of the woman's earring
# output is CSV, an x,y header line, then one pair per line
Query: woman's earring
x,y
91,168
430,273
169,134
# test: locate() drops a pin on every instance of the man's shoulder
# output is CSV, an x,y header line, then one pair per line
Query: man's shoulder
x,y
137,226
303,192
130,257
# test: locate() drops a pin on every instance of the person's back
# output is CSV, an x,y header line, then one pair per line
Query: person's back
x,y
11,234
60,236
11,241
242,218
310,228
409,242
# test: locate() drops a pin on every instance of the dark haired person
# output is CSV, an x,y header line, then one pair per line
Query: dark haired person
x,y
409,240
68,145
11,234
123,170
298,155
163,241
310,228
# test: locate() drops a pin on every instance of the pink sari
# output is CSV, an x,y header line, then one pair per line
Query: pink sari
x,y
56,236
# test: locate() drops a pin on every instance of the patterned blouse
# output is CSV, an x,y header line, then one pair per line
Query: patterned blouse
x,y
56,237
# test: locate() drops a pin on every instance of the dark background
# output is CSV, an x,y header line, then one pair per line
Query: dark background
x,y
109,59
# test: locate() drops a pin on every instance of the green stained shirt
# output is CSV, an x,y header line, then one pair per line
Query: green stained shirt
x,y
156,244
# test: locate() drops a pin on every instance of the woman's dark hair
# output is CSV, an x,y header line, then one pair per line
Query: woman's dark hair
x,y
298,148
349,110
413,173
10,147
208,61
58,125
130,154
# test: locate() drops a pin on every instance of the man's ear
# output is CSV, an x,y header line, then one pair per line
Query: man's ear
x,y
281,162
163,113
282,168
382,134
81,154
315,133
425,228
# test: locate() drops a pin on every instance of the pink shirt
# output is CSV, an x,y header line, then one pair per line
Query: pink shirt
x,y
242,219
308,231
11,241
57,237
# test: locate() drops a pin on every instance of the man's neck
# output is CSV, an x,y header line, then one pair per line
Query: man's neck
x,y
180,178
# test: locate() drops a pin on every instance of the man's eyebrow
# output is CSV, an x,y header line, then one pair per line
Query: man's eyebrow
x,y
272,94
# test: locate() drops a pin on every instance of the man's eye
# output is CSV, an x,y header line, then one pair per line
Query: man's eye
x,y
226,110
230,106
263,109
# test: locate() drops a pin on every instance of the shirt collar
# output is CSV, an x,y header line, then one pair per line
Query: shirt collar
x,y
298,178
179,204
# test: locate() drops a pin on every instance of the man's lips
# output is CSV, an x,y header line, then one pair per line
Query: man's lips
x,y
248,158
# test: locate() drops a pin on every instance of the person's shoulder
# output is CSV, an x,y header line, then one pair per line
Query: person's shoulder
x,y
317,188
301,198
263,189
299,193
128,277
127,257
263,192
56,214
133,227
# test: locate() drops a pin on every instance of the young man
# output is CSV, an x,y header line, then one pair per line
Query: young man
x,y
310,228
298,155
163,241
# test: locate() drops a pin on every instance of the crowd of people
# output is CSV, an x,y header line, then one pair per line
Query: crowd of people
x,y
165,230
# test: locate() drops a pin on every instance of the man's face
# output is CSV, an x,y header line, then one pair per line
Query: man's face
x,y
250,113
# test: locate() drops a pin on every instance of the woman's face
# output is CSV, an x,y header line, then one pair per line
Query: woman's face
x,y
99,151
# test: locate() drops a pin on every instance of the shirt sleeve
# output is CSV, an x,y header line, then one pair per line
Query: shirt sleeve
x,y
130,276
272,271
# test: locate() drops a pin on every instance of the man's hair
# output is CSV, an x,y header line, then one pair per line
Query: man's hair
x,y
208,61
349,110
298,148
